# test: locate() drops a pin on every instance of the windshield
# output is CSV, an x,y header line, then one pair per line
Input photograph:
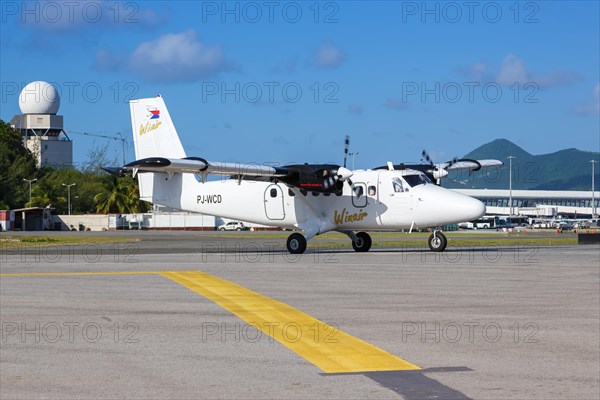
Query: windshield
x,y
415,180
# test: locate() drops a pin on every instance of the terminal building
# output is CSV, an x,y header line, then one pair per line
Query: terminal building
x,y
41,128
538,203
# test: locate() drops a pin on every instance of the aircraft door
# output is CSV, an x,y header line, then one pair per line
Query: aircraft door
x,y
274,203
395,197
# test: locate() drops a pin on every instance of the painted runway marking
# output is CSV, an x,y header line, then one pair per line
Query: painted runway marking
x,y
331,350
294,329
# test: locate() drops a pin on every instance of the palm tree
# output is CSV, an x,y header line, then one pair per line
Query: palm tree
x,y
111,199
44,195
119,196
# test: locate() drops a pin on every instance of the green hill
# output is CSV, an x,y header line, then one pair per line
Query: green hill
x,y
567,169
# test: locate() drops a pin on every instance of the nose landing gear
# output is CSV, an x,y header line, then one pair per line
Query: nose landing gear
x,y
437,241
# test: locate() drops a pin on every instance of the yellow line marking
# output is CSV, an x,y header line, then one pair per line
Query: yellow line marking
x,y
83,273
331,350
328,348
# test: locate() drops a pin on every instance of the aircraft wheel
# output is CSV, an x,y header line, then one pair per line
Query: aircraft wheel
x,y
437,242
296,243
364,242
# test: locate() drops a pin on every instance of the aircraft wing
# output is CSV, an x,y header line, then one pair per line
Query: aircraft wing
x,y
469,165
311,177
197,165
437,171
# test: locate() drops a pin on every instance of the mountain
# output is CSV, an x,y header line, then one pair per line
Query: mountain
x,y
567,169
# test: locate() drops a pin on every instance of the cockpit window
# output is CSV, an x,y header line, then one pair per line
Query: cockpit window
x,y
398,185
415,180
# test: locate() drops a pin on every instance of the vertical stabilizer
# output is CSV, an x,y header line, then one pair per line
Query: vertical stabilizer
x,y
154,135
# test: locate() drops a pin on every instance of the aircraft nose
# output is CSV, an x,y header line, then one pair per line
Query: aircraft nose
x,y
471,209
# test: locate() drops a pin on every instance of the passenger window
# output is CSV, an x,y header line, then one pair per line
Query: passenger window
x,y
372,191
273,192
358,191
359,199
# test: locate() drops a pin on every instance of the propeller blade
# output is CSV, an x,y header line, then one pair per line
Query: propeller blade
x,y
426,157
451,163
346,146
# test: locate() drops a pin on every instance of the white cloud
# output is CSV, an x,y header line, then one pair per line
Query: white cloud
x,y
396,104
592,108
285,67
106,60
514,70
178,57
328,56
355,109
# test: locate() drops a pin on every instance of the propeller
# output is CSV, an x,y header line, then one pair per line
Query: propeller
x,y
341,174
435,171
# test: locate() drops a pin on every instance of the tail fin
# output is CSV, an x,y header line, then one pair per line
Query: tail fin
x,y
154,135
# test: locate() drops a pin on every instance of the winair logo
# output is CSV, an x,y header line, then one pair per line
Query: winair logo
x,y
153,114
345,217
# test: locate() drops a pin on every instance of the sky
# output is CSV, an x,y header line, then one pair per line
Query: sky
x,y
285,81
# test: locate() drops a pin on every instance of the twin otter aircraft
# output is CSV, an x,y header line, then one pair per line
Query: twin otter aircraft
x,y
315,198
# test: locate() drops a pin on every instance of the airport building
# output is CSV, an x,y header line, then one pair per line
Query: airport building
x,y
41,128
538,203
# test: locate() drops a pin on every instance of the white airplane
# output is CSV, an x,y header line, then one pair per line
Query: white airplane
x,y
315,198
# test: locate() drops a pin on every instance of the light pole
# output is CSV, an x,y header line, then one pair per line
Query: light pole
x,y
510,202
353,154
69,194
593,189
30,182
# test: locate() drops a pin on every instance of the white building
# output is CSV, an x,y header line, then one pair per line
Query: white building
x,y
41,129
537,203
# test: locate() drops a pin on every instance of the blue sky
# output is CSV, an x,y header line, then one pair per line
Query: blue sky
x,y
285,81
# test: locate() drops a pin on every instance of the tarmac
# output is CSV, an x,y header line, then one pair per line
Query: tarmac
x,y
179,315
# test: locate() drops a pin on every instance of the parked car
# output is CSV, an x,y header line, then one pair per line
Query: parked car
x,y
563,226
232,226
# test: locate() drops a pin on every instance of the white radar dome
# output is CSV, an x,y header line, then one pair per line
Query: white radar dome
x,y
39,97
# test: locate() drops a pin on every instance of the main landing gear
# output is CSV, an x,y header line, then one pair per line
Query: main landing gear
x,y
437,241
296,243
361,242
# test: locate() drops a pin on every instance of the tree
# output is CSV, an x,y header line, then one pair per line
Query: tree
x,y
119,196
16,163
